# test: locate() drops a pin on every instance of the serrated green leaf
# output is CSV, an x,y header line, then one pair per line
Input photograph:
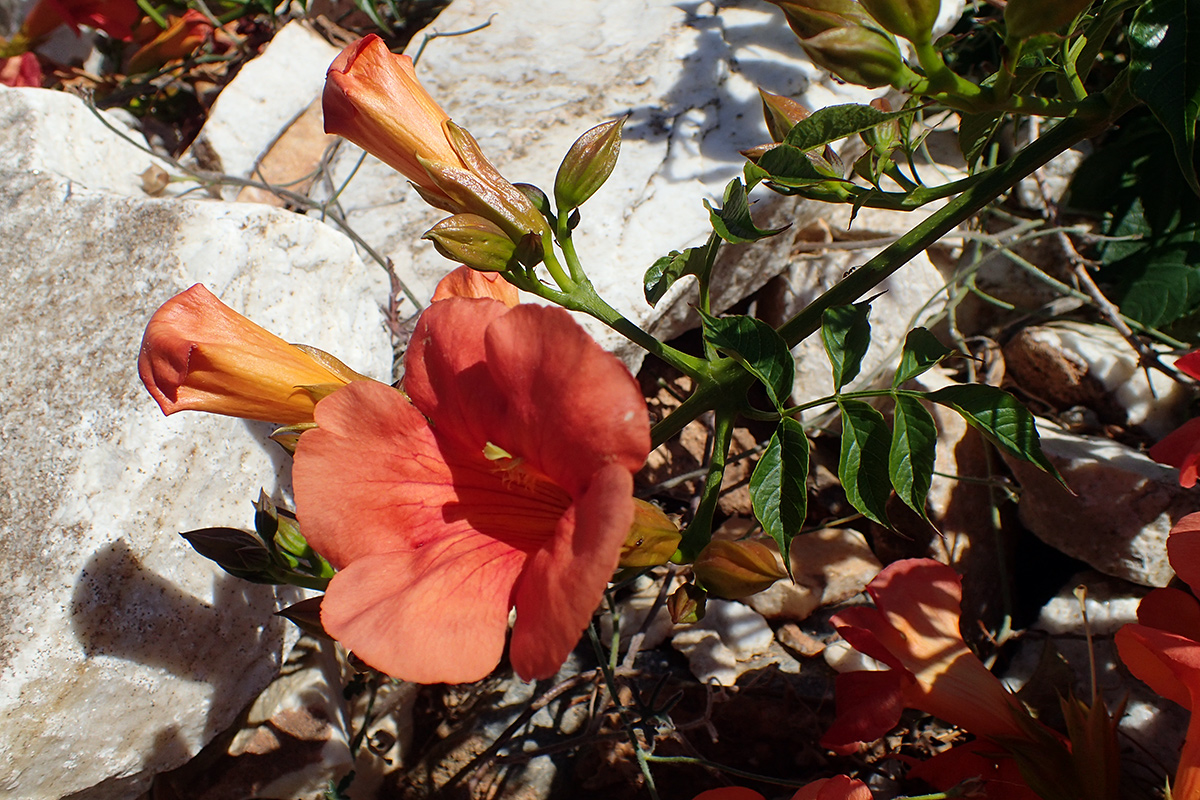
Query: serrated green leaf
x,y
733,222
922,350
914,444
863,464
665,271
1164,70
827,125
777,486
789,166
846,332
757,347
1001,418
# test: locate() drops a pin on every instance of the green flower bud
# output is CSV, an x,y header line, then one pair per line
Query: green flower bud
x,y
912,19
687,603
863,56
474,241
781,113
237,552
587,165
810,17
1026,18
737,569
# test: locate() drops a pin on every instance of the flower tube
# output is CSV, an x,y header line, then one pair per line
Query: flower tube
x,y
198,354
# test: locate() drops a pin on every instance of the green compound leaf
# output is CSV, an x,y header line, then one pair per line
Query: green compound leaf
x,y
914,443
787,166
922,350
733,222
846,333
828,125
665,271
777,487
1000,418
863,465
757,347
1164,67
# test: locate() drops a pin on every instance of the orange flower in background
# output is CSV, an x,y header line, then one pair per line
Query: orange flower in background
x,y
839,787
182,36
1181,447
914,630
198,354
114,17
504,479
1163,648
22,70
372,97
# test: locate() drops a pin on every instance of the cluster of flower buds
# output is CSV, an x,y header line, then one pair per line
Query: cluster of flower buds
x,y
853,39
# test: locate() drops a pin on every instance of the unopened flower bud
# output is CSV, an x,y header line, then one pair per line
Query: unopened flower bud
x,y
781,113
912,19
736,569
859,55
653,537
236,552
810,17
587,165
1026,18
474,241
885,137
687,603
288,436
307,617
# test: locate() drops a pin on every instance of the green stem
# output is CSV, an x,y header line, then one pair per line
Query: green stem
x,y
1094,116
699,531
555,269
726,378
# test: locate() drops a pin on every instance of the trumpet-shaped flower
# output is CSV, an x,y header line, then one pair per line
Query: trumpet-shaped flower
x,y
466,282
839,787
914,630
199,354
179,39
1181,447
372,97
504,479
1163,648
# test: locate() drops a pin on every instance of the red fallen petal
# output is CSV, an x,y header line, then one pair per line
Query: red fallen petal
x,y
558,589
730,793
467,282
437,613
978,759
1158,659
869,704
868,631
21,70
1181,449
1173,611
1189,364
1183,550
839,787
408,486
534,353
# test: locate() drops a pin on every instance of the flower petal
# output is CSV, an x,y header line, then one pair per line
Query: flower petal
x,y
1183,550
729,793
1190,364
1173,611
839,787
467,282
374,477
1181,449
534,353
1160,660
978,759
869,704
564,581
437,613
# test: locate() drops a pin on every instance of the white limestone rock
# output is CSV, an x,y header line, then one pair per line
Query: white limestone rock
x,y
686,75
268,94
122,652
731,639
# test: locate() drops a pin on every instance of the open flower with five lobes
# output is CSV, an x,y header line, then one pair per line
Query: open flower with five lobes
x,y
501,477
372,97
1163,648
198,354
